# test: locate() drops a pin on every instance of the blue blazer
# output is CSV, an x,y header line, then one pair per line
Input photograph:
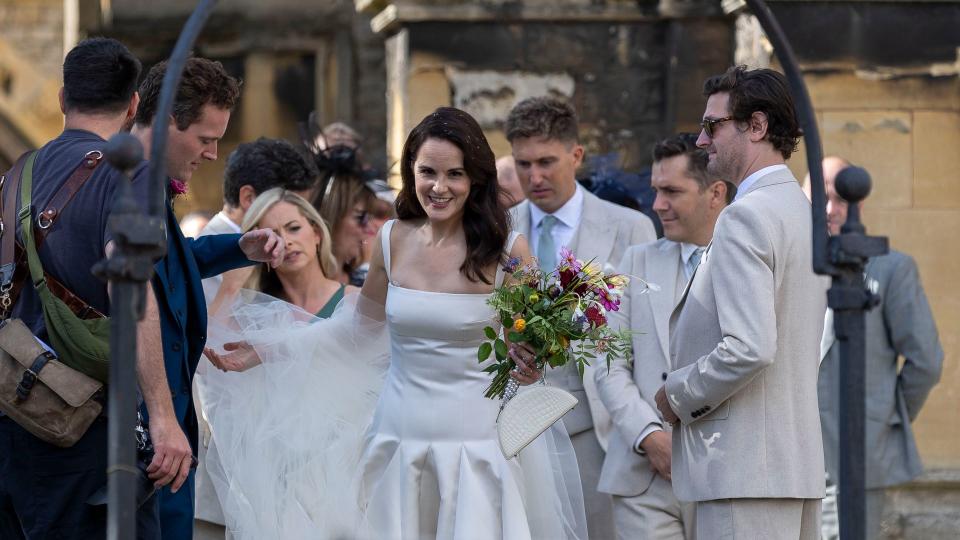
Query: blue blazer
x,y
183,308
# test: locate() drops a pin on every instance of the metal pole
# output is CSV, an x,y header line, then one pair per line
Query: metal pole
x,y
140,240
128,269
849,299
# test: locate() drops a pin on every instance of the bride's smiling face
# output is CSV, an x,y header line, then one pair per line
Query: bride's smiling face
x,y
440,179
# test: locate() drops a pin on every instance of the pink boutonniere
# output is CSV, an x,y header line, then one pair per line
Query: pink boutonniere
x,y
177,187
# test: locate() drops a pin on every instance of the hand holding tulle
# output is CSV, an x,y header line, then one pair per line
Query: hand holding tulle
x,y
240,356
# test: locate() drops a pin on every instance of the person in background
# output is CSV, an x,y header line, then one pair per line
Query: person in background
x,y
512,192
382,209
305,278
194,222
252,168
344,201
902,326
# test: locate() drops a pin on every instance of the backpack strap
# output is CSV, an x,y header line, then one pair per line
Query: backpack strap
x,y
37,234
9,186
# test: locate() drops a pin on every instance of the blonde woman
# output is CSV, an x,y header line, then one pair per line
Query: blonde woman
x,y
307,276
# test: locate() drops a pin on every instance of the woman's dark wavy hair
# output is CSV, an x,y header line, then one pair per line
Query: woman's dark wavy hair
x,y
485,222
763,90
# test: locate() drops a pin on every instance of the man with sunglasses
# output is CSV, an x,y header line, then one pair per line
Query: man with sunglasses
x,y
744,340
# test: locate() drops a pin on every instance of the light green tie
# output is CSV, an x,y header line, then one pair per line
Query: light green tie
x,y
546,249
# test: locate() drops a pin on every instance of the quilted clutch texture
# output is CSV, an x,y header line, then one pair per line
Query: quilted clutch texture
x,y
530,413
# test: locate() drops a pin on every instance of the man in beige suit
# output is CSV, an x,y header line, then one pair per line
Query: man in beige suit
x,y
636,470
559,213
745,339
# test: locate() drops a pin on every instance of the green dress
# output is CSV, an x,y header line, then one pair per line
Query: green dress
x,y
327,310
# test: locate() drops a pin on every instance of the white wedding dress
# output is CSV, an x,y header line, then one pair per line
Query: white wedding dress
x,y
421,463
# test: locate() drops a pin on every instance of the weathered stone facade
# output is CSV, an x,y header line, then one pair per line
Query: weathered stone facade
x,y
31,53
633,73
294,56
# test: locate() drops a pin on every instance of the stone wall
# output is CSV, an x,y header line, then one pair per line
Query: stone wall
x,y
617,73
31,55
294,56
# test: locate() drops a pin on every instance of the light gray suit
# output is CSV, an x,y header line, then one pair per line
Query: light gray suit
x,y
644,505
902,325
207,505
605,232
745,346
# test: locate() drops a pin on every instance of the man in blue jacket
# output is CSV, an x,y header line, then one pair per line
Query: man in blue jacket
x,y
202,107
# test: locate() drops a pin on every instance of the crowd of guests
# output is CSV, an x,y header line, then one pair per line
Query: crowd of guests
x,y
711,430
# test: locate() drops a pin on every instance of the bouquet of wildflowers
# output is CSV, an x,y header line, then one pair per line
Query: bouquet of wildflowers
x,y
549,311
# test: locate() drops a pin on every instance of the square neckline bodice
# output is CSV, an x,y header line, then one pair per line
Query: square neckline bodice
x,y
385,235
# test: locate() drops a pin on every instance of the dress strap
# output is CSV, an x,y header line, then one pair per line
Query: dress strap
x,y
385,245
506,255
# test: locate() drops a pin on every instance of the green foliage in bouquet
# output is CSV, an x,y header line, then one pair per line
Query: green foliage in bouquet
x,y
551,311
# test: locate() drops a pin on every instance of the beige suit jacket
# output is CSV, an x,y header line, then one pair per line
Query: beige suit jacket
x,y
744,344
628,391
605,232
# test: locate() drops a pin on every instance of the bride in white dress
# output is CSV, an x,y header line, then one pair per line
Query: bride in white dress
x,y
333,438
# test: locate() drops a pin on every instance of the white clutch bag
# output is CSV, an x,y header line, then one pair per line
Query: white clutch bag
x,y
530,413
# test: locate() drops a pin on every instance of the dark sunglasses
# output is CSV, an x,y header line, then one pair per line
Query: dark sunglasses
x,y
709,124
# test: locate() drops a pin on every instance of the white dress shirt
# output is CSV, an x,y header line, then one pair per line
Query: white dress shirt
x,y
568,219
750,180
230,222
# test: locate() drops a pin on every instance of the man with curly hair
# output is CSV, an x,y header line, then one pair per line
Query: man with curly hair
x,y
175,304
744,340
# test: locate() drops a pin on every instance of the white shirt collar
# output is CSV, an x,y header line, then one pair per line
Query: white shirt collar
x,y
569,214
752,179
230,222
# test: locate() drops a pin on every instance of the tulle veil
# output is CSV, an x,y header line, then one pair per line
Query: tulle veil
x,y
286,454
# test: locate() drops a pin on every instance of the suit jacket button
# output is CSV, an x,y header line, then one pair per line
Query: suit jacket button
x,y
664,375
175,347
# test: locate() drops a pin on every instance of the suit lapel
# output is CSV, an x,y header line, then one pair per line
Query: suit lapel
x,y
520,214
660,268
595,237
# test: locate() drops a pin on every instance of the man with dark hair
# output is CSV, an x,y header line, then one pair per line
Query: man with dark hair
x,y
44,489
558,213
636,471
901,326
255,167
176,306
204,101
744,339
